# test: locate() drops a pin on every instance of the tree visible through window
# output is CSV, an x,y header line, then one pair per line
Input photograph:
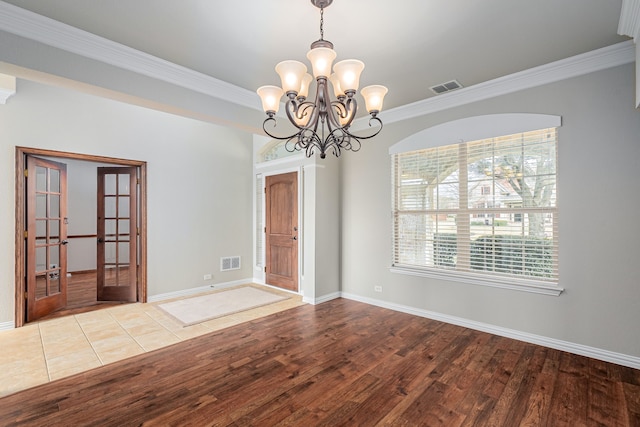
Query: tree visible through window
x,y
486,207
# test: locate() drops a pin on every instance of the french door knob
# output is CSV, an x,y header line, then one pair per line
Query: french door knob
x,y
294,238
100,240
64,242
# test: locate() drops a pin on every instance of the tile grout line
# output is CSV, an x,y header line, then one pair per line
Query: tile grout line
x,y
49,373
156,322
44,353
90,342
180,339
127,332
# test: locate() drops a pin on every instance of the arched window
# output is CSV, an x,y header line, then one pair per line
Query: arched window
x,y
274,150
476,200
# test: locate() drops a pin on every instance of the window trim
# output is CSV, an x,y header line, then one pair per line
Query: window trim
x,y
532,286
472,129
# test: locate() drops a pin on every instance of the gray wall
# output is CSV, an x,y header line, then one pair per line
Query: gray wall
x,y
199,180
327,239
599,227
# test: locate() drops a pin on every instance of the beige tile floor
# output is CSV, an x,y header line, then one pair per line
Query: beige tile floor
x,y
48,350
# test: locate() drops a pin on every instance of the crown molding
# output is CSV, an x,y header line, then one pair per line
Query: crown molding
x,y
629,24
36,27
6,94
7,87
600,59
27,24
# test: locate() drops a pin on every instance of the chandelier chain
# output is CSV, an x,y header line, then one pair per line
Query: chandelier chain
x,y
322,23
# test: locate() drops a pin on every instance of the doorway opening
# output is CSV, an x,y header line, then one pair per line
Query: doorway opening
x,y
118,235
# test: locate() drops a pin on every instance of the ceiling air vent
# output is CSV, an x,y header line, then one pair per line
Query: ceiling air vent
x,y
445,87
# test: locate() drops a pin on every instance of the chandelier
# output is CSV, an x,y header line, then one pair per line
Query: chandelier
x,y
322,125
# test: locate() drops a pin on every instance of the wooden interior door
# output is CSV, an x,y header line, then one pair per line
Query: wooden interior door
x,y
46,262
281,200
117,227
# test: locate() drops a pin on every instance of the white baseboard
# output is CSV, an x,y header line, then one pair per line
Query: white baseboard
x,y
7,325
277,288
322,299
582,350
198,290
305,299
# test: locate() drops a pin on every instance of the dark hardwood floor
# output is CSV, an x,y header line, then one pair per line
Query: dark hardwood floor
x,y
82,289
81,296
339,363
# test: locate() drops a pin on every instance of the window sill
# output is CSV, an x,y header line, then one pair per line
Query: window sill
x,y
477,279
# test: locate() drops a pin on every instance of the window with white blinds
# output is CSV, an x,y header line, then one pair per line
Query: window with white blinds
x,y
484,209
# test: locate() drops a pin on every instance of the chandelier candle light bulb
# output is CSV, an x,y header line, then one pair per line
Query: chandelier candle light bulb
x,y
321,125
291,75
304,88
270,96
321,59
348,73
333,78
373,96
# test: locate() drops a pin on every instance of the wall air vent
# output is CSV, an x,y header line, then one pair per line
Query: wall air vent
x,y
230,263
445,87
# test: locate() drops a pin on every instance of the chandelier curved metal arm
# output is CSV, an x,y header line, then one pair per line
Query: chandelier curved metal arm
x,y
322,125
333,118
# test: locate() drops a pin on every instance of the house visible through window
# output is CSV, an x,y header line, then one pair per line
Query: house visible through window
x,y
485,208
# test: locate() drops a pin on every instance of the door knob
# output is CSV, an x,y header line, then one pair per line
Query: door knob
x,y
64,242
100,240
294,238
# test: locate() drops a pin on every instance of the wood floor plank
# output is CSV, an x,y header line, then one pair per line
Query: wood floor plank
x,y
570,397
476,404
529,366
542,391
339,363
606,403
517,379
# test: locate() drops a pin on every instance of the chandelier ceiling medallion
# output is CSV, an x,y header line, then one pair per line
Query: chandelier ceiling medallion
x,y
322,125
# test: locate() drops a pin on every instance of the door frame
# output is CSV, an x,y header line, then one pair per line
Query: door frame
x,y
20,220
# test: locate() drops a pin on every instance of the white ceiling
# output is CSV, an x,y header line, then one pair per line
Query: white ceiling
x,y
407,45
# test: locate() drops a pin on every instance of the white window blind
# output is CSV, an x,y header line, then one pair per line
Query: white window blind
x,y
485,208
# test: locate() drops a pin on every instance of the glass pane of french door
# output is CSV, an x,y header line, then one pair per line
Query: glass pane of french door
x,y
47,240
117,237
